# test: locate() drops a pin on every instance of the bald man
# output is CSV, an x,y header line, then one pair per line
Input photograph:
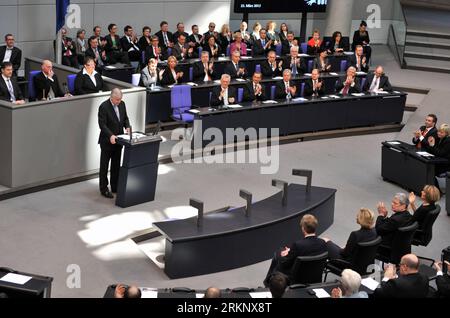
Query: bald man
x,y
112,119
46,84
377,81
409,283
212,292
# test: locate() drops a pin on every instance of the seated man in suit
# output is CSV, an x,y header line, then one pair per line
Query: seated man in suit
x,y
180,30
165,37
10,53
69,54
442,280
377,81
262,46
46,83
294,62
154,51
409,283
358,60
113,47
349,84
129,43
440,147
223,95
286,45
88,81
235,68
314,86
204,69
254,91
309,245
181,50
386,226
270,67
9,89
285,88
95,52
98,35
426,131
195,39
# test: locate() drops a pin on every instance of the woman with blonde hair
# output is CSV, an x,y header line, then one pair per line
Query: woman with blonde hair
x,y
255,34
171,75
440,148
429,195
225,37
271,33
366,219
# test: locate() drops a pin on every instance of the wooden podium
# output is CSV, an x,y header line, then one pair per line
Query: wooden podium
x,y
139,171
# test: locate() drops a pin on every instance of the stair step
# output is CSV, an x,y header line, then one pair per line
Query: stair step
x,y
428,34
428,56
428,44
414,64
428,39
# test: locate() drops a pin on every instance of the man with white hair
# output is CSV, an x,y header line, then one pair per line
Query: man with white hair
x,y
294,62
348,84
377,81
350,283
112,119
46,83
223,95
387,226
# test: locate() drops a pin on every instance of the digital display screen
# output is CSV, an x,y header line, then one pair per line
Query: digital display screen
x,y
279,6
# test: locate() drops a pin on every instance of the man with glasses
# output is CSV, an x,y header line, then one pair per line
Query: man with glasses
x,y
165,37
211,32
155,51
9,53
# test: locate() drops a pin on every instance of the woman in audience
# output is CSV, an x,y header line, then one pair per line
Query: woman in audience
x,y
212,47
337,44
88,81
238,45
146,38
361,37
429,195
440,148
350,284
365,218
315,45
255,34
171,75
321,62
81,45
283,32
271,33
150,74
225,38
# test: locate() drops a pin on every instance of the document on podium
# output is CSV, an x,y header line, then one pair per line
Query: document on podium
x,y
15,278
134,136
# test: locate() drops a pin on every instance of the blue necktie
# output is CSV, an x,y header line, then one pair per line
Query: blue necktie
x,y
116,109
11,90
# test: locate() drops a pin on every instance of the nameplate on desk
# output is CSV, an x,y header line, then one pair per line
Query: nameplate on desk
x,y
261,294
349,53
15,278
277,78
240,80
358,94
110,67
170,86
382,92
325,97
424,154
235,106
270,102
393,142
334,74
194,111
149,293
299,99
192,84
361,73
307,74
222,59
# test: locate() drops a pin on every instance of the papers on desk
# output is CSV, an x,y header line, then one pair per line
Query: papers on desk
x,y
424,154
349,53
321,293
15,278
110,67
393,142
245,57
382,92
307,74
240,80
234,106
222,59
261,295
358,94
299,99
370,283
361,73
170,86
194,111
134,136
303,55
217,81
270,102
335,96
325,97
334,74
149,293
278,78
192,84
396,92
199,295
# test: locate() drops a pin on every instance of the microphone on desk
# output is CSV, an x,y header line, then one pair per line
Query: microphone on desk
x,y
131,133
66,90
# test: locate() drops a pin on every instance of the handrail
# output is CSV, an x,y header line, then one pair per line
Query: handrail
x,y
400,59
403,12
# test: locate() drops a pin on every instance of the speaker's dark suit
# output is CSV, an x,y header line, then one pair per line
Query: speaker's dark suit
x,y
84,85
110,125
4,92
199,71
15,59
352,61
215,96
42,86
405,286
160,36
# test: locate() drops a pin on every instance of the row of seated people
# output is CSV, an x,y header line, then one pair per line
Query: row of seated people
x,y
112,48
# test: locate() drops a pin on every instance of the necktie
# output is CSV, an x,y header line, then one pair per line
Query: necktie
x,y
11,90
116,109
345,90
315,85
263,43
166,40
237,67
287,87
374,84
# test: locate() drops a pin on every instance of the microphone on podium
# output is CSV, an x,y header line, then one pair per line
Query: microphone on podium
x,y
131,133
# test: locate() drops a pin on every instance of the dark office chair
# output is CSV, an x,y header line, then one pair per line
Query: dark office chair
x,y
344,64
31,88
364,256
310,65
240,93
308,269
401,245
423,236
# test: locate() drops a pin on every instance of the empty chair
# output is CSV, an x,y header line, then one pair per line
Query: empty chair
x,y
302,89
31,89
240,95
304,47
272,92
200,50
364,256
181,102
278,49
401,245
308,269
191,74
258,68
71,83
310,65
135,79
344,65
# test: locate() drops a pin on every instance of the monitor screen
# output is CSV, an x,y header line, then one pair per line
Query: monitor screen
x,y
274,6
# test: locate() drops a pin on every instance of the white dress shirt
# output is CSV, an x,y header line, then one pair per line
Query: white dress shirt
x,y
8,53
92,76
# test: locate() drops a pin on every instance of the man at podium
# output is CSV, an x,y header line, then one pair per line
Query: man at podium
x,y
112,119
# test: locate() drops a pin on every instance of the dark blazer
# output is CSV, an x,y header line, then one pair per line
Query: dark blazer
x,y
441,149
150,55
199,71
266,69
208,49
343,44
340,85
216,101
431,133
259,50
16,56
90,52
421,213
42,86
224,42
301,65
143,44
386,227
109,123
249,93
352,62
443,285
318,65
286,48
308,246
167,77
359,236
358,39
280,89
231,70
109,44
126,45
177,34
176,51
191,38
4,92
159,34
308,91
84,85
384,83
405,286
